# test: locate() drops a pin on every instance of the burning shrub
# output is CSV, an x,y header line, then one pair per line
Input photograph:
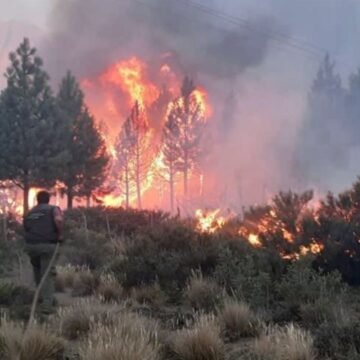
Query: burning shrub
x,y
290,343
238,320
203,341
201,293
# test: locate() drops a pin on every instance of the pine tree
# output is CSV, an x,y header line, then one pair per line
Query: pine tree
x,y
189,119
124,148
353,108
30,130
84,167
133,149
171,152
96,159
323,141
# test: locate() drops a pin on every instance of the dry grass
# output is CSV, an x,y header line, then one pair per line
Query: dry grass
x,y
36,344
288,343
238,320
151,295
128,337
202,342
76,321
202,293
109,289
65,277
85,283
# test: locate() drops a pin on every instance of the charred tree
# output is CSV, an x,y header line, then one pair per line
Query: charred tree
x,y
134,152
188,114
171,153
124,148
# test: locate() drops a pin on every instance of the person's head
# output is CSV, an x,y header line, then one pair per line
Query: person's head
x,y
43,197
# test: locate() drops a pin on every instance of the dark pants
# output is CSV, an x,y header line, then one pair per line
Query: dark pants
x,y
40,257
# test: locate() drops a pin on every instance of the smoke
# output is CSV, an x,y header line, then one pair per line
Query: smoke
x,y
258,86
88,35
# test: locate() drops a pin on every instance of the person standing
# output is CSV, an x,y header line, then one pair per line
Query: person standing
x,y
43,226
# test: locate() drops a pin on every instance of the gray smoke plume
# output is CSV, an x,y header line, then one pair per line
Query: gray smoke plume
x,y
88,35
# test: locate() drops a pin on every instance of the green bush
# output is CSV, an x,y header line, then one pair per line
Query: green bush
x,y
338,341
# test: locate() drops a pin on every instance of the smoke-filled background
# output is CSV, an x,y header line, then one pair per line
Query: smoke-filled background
x,y
257,60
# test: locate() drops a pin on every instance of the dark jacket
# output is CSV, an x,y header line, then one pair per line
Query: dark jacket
x,y
39,225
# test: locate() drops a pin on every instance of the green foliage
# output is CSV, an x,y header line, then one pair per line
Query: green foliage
x,y
30,138
83,169
338,341
302,284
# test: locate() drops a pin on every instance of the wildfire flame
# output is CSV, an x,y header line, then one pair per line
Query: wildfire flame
x,y
119,87
209,221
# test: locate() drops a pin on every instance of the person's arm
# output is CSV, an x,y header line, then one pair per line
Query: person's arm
x,y
59,222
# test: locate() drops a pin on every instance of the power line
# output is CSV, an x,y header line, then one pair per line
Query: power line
x,y
298,44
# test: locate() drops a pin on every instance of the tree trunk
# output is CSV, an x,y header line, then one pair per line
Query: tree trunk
x,y
70,198
186,176
127,186
88,201
26,196
171,182
138,182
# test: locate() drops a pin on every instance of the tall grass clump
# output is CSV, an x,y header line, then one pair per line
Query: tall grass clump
x,y
75,321
239,320
109,289
287,343
202,293
201,342
129,336
37,343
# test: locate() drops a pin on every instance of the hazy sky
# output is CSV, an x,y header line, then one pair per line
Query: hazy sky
x,y
30,11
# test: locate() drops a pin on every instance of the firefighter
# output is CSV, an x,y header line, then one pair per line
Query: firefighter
x,y
43,227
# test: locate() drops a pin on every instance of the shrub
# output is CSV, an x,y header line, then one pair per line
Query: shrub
x,y
302,284
86,248
290,343
238,320
249,273
201,342
109,289
65,276
149,294
11,294
75,321
201,293
38,343
85,283
129,336
339,340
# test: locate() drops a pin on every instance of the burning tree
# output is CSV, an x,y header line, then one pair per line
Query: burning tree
x,y
184,132
30,139
171,152
84,167
133,149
